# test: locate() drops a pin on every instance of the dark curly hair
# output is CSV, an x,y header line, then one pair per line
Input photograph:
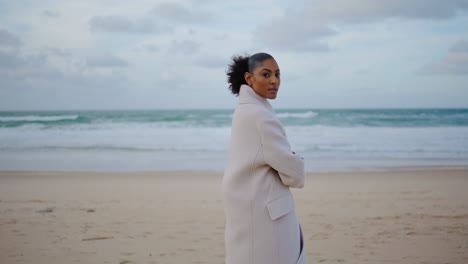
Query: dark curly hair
x,y
242,64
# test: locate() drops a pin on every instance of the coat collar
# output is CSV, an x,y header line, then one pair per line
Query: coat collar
x,y
247,95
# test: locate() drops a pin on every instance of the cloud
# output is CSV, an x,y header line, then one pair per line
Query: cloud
x,y
371,10
455,62
160,19
32,81
50,88
12,60
17,67
210,61
460,46
18,71
362,71
121,24
294,35
177,13
183,47
57,52
320,71
106,61
170,78
8,39
148,47
51,13
306,27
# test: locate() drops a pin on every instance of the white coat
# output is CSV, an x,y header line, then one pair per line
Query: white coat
x,y
261,222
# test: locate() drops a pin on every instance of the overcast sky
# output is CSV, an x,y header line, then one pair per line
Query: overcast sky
x,y
115,54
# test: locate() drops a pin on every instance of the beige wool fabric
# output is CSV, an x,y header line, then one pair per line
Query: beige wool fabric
x,y
261,222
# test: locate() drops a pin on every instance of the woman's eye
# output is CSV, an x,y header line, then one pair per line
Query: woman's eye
x,y
266,75
278,75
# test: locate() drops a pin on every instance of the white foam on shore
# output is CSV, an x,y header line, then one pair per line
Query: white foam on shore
x,y
308,114
37,118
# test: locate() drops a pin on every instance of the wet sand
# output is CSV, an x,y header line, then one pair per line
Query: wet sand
x,y
401,215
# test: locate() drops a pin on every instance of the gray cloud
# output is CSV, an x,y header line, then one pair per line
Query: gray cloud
x,y
371,10
51,13
8,39
320,71
178,13
25,72
49,88
293,35
455,62
305,27
147,47
460,46
120,24
19,71
209,61
106,61
362,71
57,52
32,82
12,60
160,19
184,47
150,47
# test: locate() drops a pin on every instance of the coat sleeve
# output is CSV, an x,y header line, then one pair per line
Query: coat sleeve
x,y
278,154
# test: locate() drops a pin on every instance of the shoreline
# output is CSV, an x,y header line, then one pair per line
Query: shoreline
x,y
205,171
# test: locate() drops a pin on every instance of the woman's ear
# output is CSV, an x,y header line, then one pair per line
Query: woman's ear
x,y
248,78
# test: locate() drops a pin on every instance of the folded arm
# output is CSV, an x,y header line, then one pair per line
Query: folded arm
x,y
278,154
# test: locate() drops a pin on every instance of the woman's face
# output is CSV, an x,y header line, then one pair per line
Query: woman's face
x,y
265,79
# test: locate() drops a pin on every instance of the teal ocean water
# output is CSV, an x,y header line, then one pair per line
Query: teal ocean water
x,y
136,140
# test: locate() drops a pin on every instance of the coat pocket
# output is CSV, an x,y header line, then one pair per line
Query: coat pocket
x,y
281,206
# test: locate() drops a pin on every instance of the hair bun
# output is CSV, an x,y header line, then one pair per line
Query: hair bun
x,y
236,71
242,64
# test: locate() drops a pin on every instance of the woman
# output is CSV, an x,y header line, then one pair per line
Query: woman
x,y
261,222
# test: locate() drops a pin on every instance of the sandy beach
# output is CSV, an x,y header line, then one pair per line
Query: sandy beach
x,y
400,215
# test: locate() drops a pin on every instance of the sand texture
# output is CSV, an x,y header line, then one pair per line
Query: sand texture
x,y
404,215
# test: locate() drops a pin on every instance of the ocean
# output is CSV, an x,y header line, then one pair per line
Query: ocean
x,y
148,140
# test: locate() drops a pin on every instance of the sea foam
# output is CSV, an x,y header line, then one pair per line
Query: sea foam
x,y
37,118
307,114
161,139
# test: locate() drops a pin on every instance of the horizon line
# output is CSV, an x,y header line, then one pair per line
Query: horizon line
x,y
184,109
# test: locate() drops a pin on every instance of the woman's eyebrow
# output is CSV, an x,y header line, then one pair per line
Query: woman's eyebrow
x,y
268,70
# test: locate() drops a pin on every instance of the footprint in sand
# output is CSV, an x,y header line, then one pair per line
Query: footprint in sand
x,y
319,236
126,262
